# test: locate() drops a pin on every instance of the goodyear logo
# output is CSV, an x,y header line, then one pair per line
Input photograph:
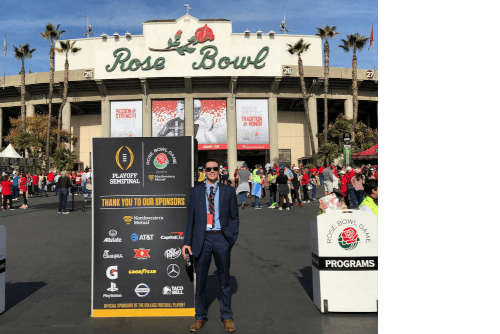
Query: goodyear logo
x,y
128,219
124,157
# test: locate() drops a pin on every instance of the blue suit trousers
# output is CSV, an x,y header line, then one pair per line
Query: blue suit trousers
x,y
217,245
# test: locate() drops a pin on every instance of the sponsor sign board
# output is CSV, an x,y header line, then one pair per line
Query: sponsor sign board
x,y
138,226
126,119
252,124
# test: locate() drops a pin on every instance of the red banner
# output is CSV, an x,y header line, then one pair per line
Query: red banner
x,y
212,146
252,146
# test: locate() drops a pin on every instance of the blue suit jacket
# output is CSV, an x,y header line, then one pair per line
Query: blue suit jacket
x,y
197,217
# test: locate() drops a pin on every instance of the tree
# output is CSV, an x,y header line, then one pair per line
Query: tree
x,y
333,147
356,43
22,53
299,48
64,158
36,128
66,48
325,33
50,34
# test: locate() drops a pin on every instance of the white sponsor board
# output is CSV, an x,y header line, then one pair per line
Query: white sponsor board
x,y
252,124
126,118
3,250
344,246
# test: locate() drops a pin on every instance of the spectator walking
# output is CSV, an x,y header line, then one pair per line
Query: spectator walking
x,y
15,185
295,187
244,176
6,186
63,184
282,182
304,182
357,190
273,189
43,185
257,184
56,182
23,182
328,180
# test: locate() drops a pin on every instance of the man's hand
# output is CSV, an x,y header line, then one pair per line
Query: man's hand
x,y
184,251
323,207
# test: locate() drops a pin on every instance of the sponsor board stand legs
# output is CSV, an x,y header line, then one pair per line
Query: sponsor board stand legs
x,y
3,250
344,247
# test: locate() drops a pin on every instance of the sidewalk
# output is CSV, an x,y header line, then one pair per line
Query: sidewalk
x,y
49,271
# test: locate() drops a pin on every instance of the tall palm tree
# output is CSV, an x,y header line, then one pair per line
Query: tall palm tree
x,y
325,33
299,48
66,49
22,53
354,42
50,34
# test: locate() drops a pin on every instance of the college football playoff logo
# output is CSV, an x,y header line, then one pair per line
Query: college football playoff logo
x,y
348,239
128,219
124,157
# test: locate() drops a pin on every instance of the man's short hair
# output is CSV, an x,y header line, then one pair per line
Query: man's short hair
x,y
370,185
211,159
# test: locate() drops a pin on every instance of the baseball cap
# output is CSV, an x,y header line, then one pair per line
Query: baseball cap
x,y
282,166
295,167
244,165
372,169
349,168
342,172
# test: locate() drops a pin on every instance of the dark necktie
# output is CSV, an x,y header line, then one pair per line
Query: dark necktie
x,y
211,201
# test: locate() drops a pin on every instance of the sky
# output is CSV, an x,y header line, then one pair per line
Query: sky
x,y
24,20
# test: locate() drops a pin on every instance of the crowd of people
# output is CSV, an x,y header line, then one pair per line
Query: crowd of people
x,y
16,185
284,187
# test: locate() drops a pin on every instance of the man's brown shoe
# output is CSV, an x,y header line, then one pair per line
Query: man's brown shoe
x,y
197,325
229,325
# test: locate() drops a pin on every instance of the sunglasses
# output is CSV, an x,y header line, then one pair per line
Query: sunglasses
x,y
215,169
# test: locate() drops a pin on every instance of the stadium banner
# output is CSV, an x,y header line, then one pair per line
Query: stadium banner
x,y
210,124
139,210
168,118
126,119
252,124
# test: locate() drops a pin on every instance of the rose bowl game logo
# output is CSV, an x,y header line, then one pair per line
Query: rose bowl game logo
x,y
161,161
348,239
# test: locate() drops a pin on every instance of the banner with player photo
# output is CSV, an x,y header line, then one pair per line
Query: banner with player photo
x,y
210,124
126,118
168,118
252,124
140,197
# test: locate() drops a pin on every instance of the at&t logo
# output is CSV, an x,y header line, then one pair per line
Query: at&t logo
x,y
134,237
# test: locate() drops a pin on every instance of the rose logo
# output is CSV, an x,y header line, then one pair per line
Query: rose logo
x,y
161,161
245,124
348,239
178,35
204,34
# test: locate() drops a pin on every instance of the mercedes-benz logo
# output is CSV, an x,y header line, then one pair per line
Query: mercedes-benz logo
x,y
173,270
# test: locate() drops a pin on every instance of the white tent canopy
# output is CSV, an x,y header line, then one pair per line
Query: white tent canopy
x,y
10,152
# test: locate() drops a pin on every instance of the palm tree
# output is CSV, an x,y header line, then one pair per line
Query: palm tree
x,y
354,42
50,34
299,48
22,53
66,48
325,33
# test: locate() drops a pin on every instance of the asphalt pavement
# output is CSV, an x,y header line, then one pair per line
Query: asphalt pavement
x,y
48,276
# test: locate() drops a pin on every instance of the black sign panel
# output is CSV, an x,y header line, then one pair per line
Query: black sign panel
x,y
140,197
355,263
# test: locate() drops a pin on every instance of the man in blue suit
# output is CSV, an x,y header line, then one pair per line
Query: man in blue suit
x,y
211,229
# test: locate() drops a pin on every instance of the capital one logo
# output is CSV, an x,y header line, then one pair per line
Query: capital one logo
x,y
112,272
124,157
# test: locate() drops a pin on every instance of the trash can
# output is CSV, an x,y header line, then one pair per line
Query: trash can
x,y
3,250
345,261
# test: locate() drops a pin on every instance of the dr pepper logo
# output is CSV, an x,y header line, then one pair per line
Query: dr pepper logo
x,y
348,239
124,157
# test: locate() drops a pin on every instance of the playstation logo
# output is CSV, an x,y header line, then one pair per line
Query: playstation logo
x,y
113,288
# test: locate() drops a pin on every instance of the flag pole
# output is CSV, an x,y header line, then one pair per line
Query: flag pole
x,y
4,54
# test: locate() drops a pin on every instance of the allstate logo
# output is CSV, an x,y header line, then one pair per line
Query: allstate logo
x,y
348,239
161,161
134,237
124,157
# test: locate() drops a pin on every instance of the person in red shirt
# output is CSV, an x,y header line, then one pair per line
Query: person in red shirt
x,y
78,182
23,186
304,182
6,192
50,177
35,180
343,184
321,169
